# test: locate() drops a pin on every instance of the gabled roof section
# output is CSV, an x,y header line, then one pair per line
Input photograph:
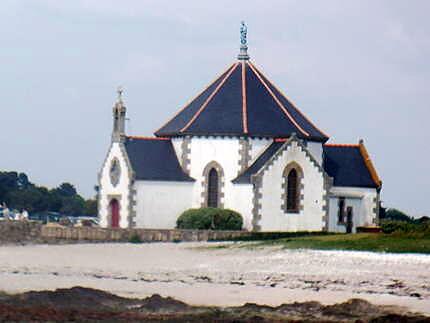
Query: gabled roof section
x,y
154,159
241,102
245,177
349,166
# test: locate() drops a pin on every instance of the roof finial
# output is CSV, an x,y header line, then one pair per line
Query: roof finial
x,y
120,91
243,55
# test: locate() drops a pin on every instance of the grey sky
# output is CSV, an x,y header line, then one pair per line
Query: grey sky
x,y
358,69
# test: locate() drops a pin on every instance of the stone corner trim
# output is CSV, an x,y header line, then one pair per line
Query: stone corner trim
x,y
244,154
257,182
131,191
186,154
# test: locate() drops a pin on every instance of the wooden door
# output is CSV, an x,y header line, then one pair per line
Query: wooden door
x,y
114,207
349,223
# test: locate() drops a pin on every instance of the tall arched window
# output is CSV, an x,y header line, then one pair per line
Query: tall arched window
x,y
213,179
213,185
292,188
292,191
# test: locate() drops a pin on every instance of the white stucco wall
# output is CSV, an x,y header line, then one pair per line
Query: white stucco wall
x,y
242,198
159,203
273,218
258,145
316,149
120,191
363,203
177,145
224,151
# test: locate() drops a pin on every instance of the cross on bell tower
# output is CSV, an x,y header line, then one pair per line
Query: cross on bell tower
x,y
119,111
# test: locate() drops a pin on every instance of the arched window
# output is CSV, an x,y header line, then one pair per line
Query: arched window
x,y
213,179
292,191
292,194
212,185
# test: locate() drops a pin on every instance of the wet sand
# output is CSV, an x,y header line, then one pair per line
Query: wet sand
x,y
221,277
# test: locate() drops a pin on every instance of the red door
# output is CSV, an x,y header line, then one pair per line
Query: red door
x,y
114,207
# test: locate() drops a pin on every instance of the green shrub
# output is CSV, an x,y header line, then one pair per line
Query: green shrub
x,y
395,226
406,227
210,219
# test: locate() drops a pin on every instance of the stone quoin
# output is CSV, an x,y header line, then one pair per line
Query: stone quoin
x,y
240,144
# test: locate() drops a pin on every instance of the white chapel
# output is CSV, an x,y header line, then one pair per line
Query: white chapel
x,y
240,144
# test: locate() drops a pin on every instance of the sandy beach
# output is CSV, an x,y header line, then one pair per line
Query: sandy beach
x,y
221,276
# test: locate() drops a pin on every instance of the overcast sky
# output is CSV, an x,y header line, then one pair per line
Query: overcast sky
x,y
358,69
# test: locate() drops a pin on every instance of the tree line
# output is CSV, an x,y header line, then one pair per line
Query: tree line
x,y
19,193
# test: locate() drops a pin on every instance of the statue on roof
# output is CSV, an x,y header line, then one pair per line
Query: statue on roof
x,y
243,32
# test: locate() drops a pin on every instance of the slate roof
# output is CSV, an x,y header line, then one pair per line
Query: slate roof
x,y
241,102
347,166
245,177
345,163
154,159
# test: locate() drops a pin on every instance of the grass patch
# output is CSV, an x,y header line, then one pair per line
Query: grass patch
x,y
396,242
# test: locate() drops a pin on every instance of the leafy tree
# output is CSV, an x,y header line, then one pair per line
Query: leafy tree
x,y
22,181
8,182
90,207
397,215
66,190
19,193
73,205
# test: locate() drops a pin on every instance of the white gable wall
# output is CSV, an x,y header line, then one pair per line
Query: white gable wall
x,y
159,203
121,191
273,218
258,146
316,149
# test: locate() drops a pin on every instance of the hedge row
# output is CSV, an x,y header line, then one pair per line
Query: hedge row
x,y
405,227
210,219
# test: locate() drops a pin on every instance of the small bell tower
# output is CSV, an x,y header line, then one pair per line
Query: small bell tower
x,y
118,112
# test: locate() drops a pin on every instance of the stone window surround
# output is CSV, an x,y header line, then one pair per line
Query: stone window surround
x,y
205,183
115,178
300,176
110,198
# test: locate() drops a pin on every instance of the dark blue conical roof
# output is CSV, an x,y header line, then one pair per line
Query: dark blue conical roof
x,y
241,102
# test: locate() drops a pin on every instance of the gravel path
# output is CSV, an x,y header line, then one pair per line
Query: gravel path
x,y
225,276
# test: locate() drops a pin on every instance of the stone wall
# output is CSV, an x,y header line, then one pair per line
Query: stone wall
x,y
33,232
17,231
144,235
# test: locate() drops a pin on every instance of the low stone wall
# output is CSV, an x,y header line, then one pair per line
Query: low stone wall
x,y
19,231
126,235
